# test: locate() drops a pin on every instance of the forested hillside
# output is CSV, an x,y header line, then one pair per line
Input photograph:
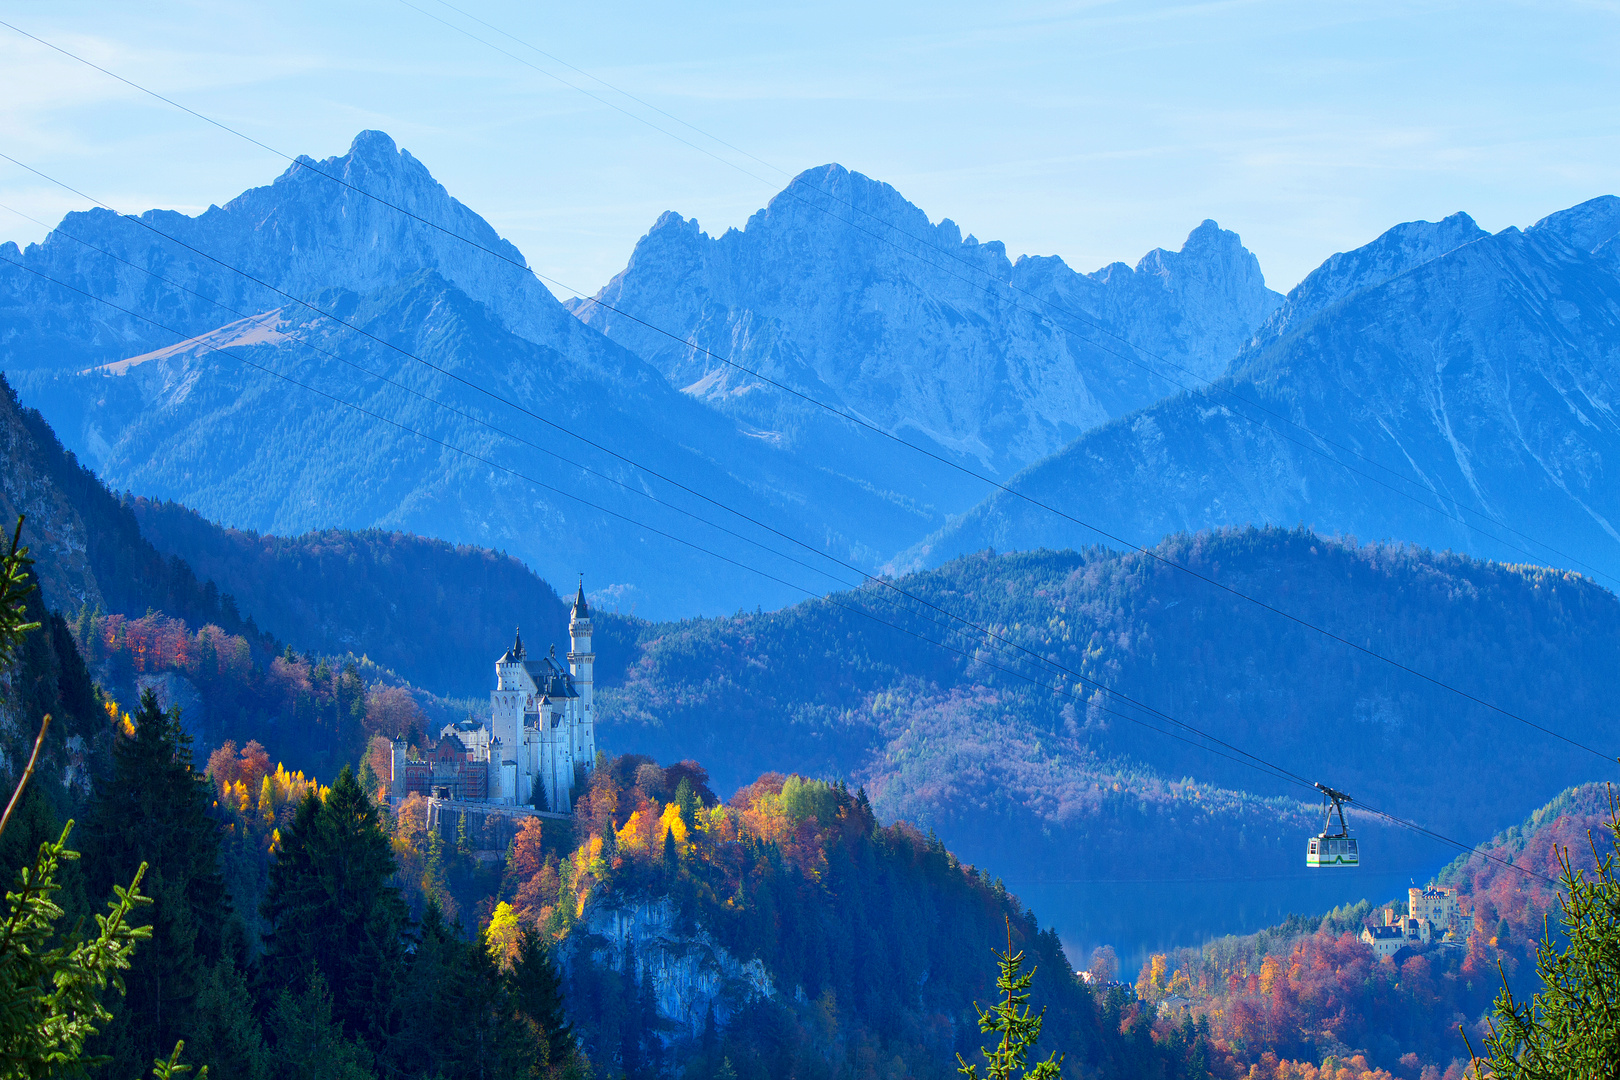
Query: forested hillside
x,y
786,933
439,613
1304,990
88,548
997,764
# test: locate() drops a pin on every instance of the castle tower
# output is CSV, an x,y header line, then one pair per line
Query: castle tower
x,y
581,664
507,705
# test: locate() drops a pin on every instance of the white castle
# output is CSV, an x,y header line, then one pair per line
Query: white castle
x,y
539,743
543,721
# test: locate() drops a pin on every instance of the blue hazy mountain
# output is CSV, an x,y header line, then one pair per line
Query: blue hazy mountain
x,y
1440,386
843,290
156,411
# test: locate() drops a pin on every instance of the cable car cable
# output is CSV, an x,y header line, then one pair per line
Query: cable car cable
x,y
992,281
1062,669
227,351
837,412
705,351
441,404
1263,765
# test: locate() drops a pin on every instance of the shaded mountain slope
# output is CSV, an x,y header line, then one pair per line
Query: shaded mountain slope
x,y
87,546
159,416
432,456
844,291
1476,384
438,613
1006,771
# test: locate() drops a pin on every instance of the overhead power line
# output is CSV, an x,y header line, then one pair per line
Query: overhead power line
x,y
848,416
1252,760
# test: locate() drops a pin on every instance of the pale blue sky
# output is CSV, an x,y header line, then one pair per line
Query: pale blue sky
x,y
1093,131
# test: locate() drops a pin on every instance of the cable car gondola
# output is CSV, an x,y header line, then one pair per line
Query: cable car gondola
x,y
1333,848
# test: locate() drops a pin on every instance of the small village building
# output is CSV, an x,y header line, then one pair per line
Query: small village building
x,y
1442,907
1386,941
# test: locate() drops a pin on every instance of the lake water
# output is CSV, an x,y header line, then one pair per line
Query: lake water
x,y
1139,918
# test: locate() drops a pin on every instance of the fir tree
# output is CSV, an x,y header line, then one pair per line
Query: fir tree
x,y
309,1040
1572,1026
687,801
227,1037
537,995
51,987
331,906
1019,1028
154,810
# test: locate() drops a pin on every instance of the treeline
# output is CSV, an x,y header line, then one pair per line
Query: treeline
x,y
876,940
328,975
436,612
128,572
961,738
316,713
1311,989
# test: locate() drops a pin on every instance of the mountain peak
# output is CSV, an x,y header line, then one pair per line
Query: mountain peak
x,y
1396,251
373,145
1584,226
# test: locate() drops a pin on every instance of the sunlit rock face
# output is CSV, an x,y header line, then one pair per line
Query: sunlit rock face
x,y
842,290
1438,386
692,976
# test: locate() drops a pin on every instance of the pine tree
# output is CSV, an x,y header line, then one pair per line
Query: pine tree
x,y
154,810
1011,1018
331,906
538,997
1572,1026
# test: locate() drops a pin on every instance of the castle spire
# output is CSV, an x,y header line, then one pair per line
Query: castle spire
x,y
581,610
517,644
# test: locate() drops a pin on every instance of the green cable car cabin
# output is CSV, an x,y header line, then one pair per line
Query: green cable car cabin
x,y
1333,849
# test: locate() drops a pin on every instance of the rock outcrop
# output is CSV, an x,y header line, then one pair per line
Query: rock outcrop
x,y
691,974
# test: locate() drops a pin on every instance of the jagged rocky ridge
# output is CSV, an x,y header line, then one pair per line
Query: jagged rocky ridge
x,y
228,434
1439,386
843,290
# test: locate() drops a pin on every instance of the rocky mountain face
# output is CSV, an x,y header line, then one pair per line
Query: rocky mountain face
x,y
1439,386
309,232
299,426
842,290
485,403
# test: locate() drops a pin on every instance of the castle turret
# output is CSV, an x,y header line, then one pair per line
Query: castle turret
x,y
582,664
